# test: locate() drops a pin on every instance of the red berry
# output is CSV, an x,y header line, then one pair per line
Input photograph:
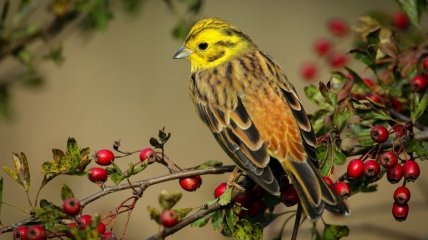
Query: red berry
x,y
399,130
375,98
371,168
256,208
425,63
355,169
289,196
101,228
71,206
419,83
394,174
338,60
220,189
147,153
400,20
379,133
328,181
258,192
322,46
309,70
411,170
396,104
400,211
168,218
402,195
191,183
36,232
97,174
84,221
108,236
244,199
20,233
388,159
104,157
342,189
338,27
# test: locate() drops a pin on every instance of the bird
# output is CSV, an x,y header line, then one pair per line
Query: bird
x,y
253,111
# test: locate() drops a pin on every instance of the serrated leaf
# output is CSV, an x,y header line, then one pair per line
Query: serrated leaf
x,y
226,197
57,155
324,155
168,199
48,212
20,173
418,147
230,217
154,213
341,118
66,192
72,162
202,221
419,106
339,157
182,212
210,163
334,232
56,55
217,219
245,230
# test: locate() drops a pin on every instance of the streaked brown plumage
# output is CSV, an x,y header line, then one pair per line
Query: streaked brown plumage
x,y
254,112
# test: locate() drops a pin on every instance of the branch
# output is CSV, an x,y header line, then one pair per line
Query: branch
x,y
423,135
144,184
245,183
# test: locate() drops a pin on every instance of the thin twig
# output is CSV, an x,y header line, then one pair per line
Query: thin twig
x,y
146,183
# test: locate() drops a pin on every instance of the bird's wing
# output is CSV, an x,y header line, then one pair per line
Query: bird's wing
x,y
235,131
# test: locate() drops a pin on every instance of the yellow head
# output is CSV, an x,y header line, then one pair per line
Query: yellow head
x,y
211,42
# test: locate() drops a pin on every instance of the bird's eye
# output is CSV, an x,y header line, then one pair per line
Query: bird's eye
x,y
203,45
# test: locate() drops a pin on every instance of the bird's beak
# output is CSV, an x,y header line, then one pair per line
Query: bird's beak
x,y
182,53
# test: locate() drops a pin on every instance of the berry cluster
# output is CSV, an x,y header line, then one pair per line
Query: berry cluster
x,y
324,48
389,162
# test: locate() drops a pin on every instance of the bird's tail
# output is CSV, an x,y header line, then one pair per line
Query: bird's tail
x,y
314,193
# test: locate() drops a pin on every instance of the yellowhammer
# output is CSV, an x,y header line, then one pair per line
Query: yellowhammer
x,y
254,112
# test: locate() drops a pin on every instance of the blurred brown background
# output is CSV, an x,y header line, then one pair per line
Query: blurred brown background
x,y
123,84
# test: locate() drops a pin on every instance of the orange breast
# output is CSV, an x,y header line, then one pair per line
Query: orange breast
x,y
275,122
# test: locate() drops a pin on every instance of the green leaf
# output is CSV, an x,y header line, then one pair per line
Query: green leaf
x,y
48,212
418,106
418,147
180,30
24,56
413,9
194,6
231,218
168,199
217,219
56,55
154,213
182,212
243,229
21,172
339,157
210,163
363,57
334,232
324,154
341,118
72,162
66,192
202,221
226,197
